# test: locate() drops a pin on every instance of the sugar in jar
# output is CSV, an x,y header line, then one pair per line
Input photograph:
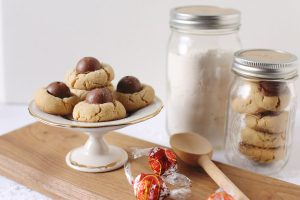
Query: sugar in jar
x,y
200,53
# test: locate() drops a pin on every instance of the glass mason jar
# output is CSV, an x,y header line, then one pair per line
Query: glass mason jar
x,y
200,54
261,110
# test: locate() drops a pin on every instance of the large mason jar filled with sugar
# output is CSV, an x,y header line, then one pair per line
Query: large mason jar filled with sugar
x,y
200,53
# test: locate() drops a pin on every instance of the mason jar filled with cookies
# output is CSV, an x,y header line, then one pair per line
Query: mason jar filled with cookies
x,y
261,110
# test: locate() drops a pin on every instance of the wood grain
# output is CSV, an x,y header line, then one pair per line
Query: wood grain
x,y
35,156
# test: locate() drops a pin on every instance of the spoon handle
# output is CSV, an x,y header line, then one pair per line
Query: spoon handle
x,y
220,178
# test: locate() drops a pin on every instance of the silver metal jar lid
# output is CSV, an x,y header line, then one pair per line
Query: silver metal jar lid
x,y
265,63
204,17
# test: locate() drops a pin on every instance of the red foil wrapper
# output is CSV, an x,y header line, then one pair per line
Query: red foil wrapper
x,y
220,195
150,187
154,186
162,161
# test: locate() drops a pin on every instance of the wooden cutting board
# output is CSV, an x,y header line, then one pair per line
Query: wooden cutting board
x,y
35,156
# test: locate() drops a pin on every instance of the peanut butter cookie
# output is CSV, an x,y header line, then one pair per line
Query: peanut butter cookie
x,y
260,101
262,155
271,122
246,105
134,95
56,99
261,139
89,74
99,106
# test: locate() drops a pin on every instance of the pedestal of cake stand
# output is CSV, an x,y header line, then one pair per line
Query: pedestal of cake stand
x,y
96,155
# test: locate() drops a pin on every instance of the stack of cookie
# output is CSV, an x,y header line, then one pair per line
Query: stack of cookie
x,y
263,138
89,74
88,94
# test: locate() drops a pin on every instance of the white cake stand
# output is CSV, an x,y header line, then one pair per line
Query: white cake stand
x,y
96,155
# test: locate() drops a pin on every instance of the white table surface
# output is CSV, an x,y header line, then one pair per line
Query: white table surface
x,y
153,130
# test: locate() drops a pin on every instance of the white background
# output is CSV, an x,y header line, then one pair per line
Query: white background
x,y
40,40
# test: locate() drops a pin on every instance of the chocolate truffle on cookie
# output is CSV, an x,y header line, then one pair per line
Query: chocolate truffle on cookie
x,y
129,84
82,93
87,64
89,74
59,89
99,106
99,96
134,95
56,99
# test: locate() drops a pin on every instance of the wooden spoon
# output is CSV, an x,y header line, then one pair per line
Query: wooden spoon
x,y
195,150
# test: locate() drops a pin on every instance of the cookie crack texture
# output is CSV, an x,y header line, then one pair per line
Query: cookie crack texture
x,y
131,99
250,102
76,115
107,74
283,135
85,84
65,104
98,113
73,82
143,98
278,103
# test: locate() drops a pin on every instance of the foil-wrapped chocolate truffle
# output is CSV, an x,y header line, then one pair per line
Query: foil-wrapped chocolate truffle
x,y
99,96
162,161
153,186
129,84
59,89
220,195
87,64
150,186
